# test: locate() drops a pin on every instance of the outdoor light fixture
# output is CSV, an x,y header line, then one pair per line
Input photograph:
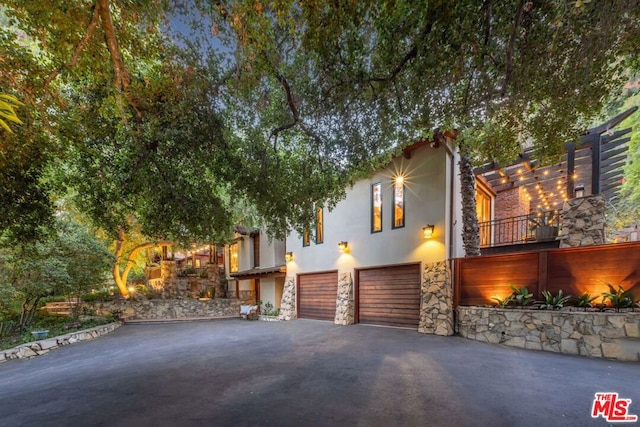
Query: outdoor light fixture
x,y
342,246
579,190
427,231
288,256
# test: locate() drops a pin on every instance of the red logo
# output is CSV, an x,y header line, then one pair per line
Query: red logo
x,y
612,408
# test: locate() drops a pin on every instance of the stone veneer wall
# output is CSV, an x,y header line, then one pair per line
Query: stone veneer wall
x,y
169,308
37,348
344,301
609,334
288,301
436,300
583,221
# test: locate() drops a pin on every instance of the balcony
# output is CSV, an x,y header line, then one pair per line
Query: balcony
x,y
520,233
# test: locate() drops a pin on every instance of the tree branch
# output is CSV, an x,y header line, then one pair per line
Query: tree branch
x,y
508,68
91,28
122,78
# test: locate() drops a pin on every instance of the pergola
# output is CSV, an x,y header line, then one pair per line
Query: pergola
x,y
596,163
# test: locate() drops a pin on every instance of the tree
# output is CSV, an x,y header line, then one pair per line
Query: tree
x,y
383,74
71,261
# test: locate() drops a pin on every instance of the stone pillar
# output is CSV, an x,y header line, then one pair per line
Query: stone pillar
x,y
436,300
288,302
583,222
344,301
168,275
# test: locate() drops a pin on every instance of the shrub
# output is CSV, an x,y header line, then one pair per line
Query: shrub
x,y
554,302
585,301
521,296
619,298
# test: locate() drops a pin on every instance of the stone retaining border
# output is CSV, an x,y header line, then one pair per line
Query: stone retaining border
x,y
609,335
38,348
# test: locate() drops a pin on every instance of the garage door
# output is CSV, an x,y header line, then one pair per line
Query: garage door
x,y
317,295
389,296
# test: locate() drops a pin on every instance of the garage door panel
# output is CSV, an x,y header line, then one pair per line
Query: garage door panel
x,y
389,296
317,295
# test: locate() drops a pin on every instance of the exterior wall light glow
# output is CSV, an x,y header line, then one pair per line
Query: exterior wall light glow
x,y
288,256
427,231
579,190
342,246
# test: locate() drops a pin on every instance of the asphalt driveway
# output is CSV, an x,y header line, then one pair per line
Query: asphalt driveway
x,y
303,373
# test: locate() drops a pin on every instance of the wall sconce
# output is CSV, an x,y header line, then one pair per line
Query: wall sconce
x,y
427,231
579,190
288,256
342,246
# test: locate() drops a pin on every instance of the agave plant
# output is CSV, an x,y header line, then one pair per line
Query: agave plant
x,y
554,302
504,302
585,300
619,298
521,296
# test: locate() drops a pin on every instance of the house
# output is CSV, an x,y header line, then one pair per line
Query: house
x,y
366,258
255,266
520,205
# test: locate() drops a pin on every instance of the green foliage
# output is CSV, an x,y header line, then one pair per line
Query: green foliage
x,y
584,301
8,105
619,298
521,296
554,302
503,303
267,309
69,261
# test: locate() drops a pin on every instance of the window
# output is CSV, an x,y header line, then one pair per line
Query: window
x,y
256,250
483,210
234,263
198,263
306,238
398,203
319,226
376,208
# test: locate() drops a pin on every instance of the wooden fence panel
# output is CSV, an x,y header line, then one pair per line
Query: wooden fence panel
x,y
574,270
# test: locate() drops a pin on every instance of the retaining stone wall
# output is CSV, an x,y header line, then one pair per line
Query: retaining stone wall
x,y
169,308
344,302
436,300
38,348
609,335
288,301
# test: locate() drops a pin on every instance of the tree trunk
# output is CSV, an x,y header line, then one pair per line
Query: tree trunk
x,y
121,278
470,228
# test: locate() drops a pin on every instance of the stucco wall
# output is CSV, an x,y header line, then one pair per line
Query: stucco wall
x,y
425,203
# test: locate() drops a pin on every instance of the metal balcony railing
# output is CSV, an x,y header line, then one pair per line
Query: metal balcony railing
x,y
537,227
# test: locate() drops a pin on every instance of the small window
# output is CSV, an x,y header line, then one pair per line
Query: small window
x,y
319,226
198,263
234,262
376,208
398,203
306,238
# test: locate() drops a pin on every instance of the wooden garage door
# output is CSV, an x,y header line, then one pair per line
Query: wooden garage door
x,y
317,295
389,296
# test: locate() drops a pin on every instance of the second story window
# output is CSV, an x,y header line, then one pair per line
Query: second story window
x,y
234,262
376,208
398,203
319,225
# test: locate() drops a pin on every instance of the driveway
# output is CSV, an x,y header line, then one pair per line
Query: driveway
x,y
303,373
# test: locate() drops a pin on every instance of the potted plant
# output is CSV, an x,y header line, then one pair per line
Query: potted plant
x,y
544,225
